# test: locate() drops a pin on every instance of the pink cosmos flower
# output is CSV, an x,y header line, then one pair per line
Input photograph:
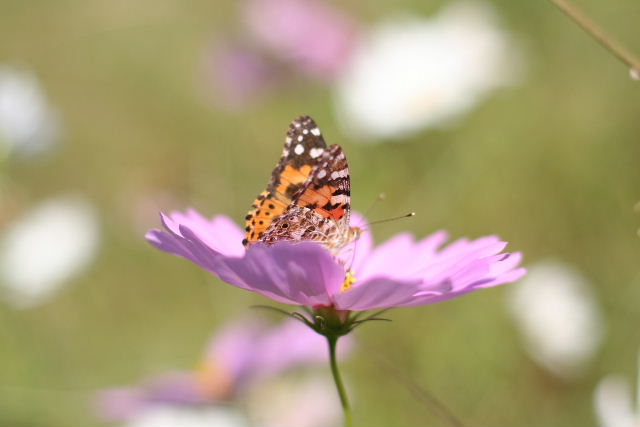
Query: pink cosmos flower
x,y
313,35
239,357
276,40
398,273
241,74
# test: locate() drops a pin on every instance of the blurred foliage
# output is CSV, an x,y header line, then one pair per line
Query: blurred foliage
x,y
550,165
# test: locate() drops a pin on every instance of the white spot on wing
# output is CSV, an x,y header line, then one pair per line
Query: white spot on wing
x,y
340,198
316,152
339,174
322,173
315,131
300,138
299,149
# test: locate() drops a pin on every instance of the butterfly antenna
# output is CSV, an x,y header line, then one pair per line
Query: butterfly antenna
x,y
380,221
378,199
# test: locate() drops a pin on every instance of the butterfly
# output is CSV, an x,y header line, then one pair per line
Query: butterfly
x,y
308,196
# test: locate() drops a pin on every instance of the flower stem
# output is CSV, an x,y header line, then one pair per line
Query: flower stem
x,y
344,400
591,28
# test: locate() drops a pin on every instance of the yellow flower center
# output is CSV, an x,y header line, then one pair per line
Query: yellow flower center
x,y
349,279
213,381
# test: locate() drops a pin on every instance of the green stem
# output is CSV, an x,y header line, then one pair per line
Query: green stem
x,y
591,28
344,400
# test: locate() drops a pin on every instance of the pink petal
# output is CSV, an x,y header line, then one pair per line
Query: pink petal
x,y
220,233
312,34
377,293
218,236
303,273
356,253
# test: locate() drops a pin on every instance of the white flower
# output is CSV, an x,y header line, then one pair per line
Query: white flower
x,y
27,123
614,402
308,400
412,73
45,248
168,415
558,317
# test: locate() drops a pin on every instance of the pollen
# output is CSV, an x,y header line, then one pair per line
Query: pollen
x,y
349,279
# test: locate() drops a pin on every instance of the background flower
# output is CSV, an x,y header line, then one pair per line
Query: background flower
x,y
614,403
308,400
45,248
240,74
312,35
175,415
279,41
558,317
242,357
412,73
28,125
248,352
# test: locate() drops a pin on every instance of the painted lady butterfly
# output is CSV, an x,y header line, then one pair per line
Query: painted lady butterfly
x,y
308,195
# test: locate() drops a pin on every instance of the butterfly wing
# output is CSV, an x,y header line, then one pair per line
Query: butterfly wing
x,y
320,209
304,145
327,191
298,223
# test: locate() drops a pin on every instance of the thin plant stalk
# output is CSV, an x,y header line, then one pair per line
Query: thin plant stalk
x,y
591,28
344,400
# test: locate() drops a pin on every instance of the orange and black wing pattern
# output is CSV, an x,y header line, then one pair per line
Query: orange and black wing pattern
x,y
327,191
320,209
304,146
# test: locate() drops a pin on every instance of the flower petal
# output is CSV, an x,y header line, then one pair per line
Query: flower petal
x,y
400,256
312,35
387,258
459,268
303,273
400,272
355,254
377,293
197,239
219,233
614,403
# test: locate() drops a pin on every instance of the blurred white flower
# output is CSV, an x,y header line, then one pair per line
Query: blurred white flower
x,y
614,404
413,73
310,400
28,125
167,415
45,248
558,317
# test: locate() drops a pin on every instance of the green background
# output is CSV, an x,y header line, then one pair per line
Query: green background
x,y
550,165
